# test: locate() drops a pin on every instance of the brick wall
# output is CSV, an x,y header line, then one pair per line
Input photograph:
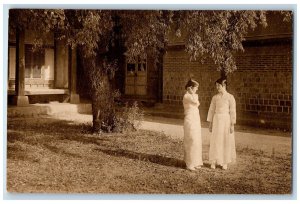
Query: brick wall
x,y
262,85
177,71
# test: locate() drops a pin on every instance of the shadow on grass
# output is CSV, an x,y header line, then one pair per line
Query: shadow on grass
x,y
14,136
15,153
45,130
46,125
162,160
60,151
45,133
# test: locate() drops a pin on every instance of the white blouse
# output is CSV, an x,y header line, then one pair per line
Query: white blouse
x,y
221,104
190,101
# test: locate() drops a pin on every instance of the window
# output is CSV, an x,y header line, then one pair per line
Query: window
x,y
12,62
136,77
141,66
130,69
34,60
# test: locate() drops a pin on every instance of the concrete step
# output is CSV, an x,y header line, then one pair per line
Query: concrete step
x,y
49,109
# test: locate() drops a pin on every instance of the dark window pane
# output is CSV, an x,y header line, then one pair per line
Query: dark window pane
x,y
36,72
141,67
28,60
34,60
144,67
27,72
130,67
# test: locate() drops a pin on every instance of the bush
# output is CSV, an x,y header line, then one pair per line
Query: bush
x,y
128,118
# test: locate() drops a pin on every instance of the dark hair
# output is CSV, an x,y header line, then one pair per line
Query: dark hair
x,y
191,83
222,81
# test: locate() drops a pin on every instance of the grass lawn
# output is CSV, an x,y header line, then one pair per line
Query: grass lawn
x,y
57,156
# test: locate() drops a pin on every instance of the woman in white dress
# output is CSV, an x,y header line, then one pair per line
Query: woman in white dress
x,y
192,127
222,118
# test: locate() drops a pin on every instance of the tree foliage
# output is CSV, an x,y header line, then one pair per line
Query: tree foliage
x,y
218,34
104,37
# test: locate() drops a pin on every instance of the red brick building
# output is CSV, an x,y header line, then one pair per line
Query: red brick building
x,y
262,84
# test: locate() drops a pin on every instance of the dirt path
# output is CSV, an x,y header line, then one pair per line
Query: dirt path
x,y
268,143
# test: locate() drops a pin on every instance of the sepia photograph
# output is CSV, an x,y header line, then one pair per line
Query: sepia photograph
x,y
149,101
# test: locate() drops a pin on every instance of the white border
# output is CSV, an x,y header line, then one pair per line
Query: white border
x,y
154,4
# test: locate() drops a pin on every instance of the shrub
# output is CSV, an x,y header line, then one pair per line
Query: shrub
x,y
128,118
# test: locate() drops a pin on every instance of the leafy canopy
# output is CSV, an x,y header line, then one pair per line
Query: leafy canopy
x,y
217,34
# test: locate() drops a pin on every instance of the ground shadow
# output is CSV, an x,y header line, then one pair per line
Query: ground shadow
x,y
158,159
15,153
61,129
60,151
14,136
44,133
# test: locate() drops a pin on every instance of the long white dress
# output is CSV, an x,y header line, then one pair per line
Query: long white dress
x,y
222,112
192,131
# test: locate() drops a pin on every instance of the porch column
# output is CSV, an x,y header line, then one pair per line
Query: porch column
x,y
74,97
20,99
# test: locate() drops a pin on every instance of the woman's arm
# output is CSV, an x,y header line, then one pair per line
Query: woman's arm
x,y
210,127
196,98
211,110
191,99
232,112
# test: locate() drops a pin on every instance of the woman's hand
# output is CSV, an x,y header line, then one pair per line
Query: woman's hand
x,y
231,129
210,127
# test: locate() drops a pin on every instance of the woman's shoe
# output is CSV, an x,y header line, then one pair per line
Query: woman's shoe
x,y
224,167
191,168
213,166
198,167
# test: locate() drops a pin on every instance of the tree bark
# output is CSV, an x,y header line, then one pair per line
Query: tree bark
x,y
103,106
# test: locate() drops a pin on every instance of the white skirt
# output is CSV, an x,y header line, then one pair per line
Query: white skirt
x,y
222,143
192,139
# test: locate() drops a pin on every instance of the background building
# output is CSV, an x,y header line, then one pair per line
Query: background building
x,y
262,84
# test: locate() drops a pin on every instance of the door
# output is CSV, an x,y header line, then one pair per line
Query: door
x,y
136,78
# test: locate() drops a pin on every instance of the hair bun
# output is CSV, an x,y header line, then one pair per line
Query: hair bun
x,y
191,83
222,81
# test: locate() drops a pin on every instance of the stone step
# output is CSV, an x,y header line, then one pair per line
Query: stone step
x,y
49,109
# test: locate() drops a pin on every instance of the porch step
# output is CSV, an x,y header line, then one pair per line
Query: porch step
x,y
51,108
41,91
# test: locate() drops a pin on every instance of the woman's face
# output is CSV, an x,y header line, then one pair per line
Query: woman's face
x,y
220,88
194,89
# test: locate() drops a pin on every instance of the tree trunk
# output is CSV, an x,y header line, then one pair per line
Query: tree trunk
x,y
103,106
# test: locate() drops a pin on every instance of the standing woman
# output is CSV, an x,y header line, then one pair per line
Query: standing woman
x,y
222,118
192,127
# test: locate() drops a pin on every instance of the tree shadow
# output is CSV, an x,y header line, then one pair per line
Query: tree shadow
x,y
157,159
15,153
14,136
84,139
46,125
47,133
59,129
60,151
